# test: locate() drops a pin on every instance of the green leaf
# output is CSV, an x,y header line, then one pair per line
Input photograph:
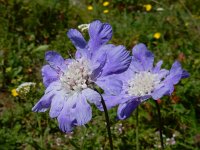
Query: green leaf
x,y
41,48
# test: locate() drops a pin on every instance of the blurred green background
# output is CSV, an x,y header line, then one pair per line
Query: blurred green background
x,y
170,28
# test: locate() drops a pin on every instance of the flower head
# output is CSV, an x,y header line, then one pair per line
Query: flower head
x,y
106,11
157,35
69,82
143,81
84,27
148,7
14,92
90,7
106,3
24,88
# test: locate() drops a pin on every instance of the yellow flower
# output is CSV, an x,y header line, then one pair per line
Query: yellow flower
x,y
106,3
148,7
90,7
157,35
14,92
105,11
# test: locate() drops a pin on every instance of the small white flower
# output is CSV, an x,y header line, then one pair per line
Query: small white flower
x,y
84,27
24,88
170,141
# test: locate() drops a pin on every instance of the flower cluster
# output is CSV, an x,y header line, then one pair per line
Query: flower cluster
x,y
126,80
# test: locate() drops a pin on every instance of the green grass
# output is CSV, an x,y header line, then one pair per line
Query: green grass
x,y
28,29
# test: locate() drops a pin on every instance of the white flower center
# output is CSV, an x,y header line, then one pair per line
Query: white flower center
x,y
77,76
142,83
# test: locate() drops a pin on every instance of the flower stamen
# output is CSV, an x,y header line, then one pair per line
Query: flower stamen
x,y
142,83
77,76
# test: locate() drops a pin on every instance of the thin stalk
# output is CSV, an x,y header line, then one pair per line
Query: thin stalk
x,y
41,136
160,124
107,123
137,128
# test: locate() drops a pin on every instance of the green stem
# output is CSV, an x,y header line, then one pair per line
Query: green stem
x,y
41,136
160,124
107,122
137,138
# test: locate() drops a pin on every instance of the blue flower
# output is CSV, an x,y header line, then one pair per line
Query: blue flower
x,y
69,82
142,81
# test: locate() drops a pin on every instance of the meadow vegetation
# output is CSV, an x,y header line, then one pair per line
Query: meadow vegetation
x,y
169,28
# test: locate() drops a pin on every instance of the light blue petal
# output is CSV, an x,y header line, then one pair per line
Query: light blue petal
x,y
76,111
113,100
83,53
174,76
77,39
49,75
160,92
175,73
125,110
143,56
80,43
136,65
157,68
57,104
100,33
110,84
55,60
118,60
185,74
126,75
97,64
82,111
46,100
44,103
54,86
66,119
162,73
92,96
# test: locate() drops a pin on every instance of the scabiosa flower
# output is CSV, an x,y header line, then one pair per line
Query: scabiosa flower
x,y
142,81
69,82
